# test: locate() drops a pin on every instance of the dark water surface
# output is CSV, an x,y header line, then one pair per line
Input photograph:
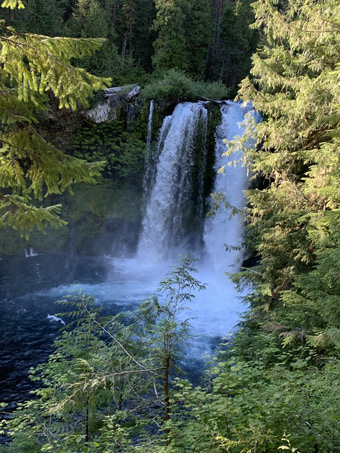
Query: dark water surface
x,y
27,333
29,288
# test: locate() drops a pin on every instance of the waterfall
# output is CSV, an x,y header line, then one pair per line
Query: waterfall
x,y
170,220
152,155
170,206
149,136
175,198
131,115
220,230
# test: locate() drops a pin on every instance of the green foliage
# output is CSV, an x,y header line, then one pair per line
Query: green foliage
x,y
239,42
31,66
86,385
277,388
293,222
88,20
43,17
175,86
122,151
248,407
199,31
109,377
12,4
88,210
170,44
205,39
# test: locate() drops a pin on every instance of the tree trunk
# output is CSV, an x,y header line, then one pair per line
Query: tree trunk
x,y
114,15
124,46
166,389
87,421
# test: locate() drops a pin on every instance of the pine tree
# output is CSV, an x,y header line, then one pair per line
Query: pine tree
x,y
43,17
38,16
88,20
109,379
33,67
239,42
93,387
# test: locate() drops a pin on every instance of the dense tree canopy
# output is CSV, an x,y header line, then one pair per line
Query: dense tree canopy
x,y
34,67
208,39
295,220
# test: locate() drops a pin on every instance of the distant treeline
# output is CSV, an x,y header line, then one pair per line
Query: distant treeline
x,y
206,39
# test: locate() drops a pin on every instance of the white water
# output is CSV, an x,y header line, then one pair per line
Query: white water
x,y
162,230
215,311
29,253
149,136
220,230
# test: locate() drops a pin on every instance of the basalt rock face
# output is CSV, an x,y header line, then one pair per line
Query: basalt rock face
x,y
115,100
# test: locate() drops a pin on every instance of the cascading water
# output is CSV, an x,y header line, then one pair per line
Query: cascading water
x,y
166,219
175,202
216,310
149,136
131,114
220,230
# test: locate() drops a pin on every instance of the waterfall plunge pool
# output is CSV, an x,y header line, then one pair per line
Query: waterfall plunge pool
x,y
30,286
29,324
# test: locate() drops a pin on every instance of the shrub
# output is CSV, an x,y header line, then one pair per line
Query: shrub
x,y
175,86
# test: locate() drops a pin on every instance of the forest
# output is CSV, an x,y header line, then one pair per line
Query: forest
x,y
113,383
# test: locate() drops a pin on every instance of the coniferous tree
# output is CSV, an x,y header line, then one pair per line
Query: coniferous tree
x,y
92,383
233,42
239,42
142,35
109,380
170,44
43,17
198,31
33,66
88,20
294,221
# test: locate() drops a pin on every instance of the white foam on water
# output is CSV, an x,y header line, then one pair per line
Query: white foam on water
x,y
216,311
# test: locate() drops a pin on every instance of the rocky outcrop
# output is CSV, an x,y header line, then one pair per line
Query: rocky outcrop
x,y
115,99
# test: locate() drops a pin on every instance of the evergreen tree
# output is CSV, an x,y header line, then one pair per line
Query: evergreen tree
x,y
88,20
198,31
139,37
170,45
239,42
250,407
108,380
233,42
42,17
129,15
294,221
33,66
92,384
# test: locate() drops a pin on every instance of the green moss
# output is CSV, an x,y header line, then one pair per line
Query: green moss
x,y
87,211
123,151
